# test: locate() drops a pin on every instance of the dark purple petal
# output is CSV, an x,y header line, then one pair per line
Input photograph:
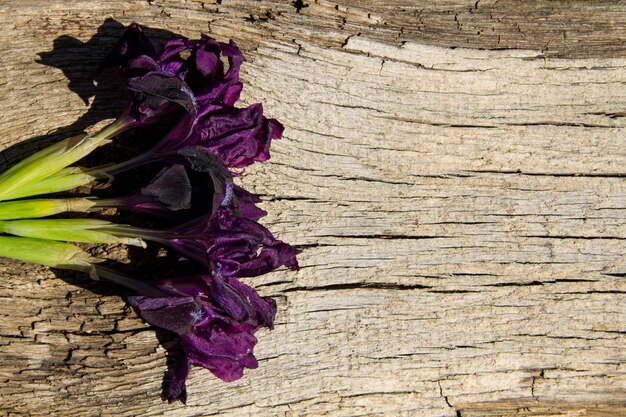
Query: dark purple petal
x,y
231,94
166,88
217,96
224,349
133,44
142,63
176,314
199,160
276,129
235,59
171,187
193,249
271,257
173,48
229,300
168,195
174,67
246,202
238,137
219,343
207,61
176,374
261,310
225,90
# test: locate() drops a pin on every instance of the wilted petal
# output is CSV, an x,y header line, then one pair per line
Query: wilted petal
x,y
229,300
200,160
173,48
171,187
176,374
209,339
261,310
235,59
246,203
176,314
207,58
271,257
224,90
225,349
238,137
169,89
133,43
273,252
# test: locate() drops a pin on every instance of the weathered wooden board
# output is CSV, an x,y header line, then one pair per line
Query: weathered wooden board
x,y
453,173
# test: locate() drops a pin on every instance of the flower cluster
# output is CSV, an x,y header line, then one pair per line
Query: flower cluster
x,y
188,89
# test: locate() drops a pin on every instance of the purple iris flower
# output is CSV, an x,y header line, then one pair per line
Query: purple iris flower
x,y
214,316
239,137
240,247
234,245
179,71
168,195
193,86
188,82
246,202
195,184
198,63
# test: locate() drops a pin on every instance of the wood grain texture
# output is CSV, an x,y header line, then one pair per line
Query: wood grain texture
x,y
453,174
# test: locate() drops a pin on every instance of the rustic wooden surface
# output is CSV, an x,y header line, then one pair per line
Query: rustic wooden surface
x,y
452,171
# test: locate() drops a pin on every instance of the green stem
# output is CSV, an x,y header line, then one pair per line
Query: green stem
x,y
53,184
30,209
49,161
140,287
72,230
54,254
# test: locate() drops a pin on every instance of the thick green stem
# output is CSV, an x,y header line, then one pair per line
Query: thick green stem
x,y
32,209
53,159
71,230
45,163
55,254
53,184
